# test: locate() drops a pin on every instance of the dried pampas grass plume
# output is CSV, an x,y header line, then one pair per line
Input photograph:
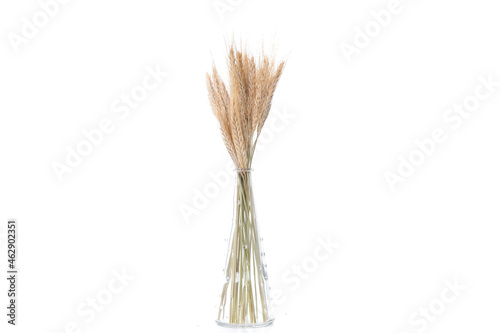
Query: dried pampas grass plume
x,y
243,110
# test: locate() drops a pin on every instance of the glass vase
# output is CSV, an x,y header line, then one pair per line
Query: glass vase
x,y
244,300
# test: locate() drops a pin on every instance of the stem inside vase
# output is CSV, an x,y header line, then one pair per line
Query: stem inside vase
x,y
245,296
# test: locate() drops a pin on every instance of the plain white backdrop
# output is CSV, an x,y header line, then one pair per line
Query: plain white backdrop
x,y
341,120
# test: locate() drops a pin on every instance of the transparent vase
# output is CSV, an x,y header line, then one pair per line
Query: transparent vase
x,y
244,300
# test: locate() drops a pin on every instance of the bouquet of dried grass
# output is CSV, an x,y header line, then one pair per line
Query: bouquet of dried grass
x,y
242,112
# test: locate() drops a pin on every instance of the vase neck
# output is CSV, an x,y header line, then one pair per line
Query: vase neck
x,y
247,172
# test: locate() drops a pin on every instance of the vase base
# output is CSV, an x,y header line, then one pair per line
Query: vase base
x,y
256,325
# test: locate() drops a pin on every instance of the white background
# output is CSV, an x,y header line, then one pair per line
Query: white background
x,y
320,175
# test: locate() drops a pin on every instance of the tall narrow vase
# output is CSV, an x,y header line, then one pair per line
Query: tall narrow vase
x,y
245,300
